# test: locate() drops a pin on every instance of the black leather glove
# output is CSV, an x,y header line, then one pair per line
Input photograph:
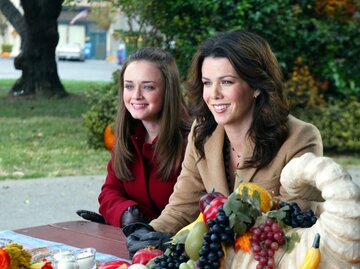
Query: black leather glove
x,y
92,216
132,215
141,235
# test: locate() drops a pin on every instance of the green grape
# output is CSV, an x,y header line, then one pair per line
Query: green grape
x,y
191,263
184,265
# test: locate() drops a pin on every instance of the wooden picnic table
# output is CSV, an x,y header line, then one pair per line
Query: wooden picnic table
x,y
104,238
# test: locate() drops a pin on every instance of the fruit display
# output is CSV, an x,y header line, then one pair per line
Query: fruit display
x,y
338,224
250,230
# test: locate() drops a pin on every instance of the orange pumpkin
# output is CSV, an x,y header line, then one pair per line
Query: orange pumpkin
x,y
109,137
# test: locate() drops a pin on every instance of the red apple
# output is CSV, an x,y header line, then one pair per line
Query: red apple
x,y
207,198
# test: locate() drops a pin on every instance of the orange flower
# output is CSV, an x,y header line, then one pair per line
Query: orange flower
x,y
243,242
4,259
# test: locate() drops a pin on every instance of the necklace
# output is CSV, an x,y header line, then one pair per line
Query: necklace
x,y
226,154
238,156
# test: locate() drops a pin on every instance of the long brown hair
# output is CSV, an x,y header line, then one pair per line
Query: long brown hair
x,y
169,147
254,61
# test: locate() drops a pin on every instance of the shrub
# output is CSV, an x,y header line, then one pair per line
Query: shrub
x,y
302,89
102,112
325,33
338,123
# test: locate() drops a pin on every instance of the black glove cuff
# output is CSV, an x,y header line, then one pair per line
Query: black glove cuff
x,y
129,229
91,216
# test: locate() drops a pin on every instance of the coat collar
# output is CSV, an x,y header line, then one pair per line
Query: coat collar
x,y
248,173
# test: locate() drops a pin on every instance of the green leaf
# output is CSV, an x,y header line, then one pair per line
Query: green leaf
x,y
241,217
279,214
245,193
241,213
291,241
256,199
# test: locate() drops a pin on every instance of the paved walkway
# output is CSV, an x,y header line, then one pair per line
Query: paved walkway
x,y
33,202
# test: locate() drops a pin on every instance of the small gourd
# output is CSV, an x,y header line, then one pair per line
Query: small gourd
x,y
265,196
109,137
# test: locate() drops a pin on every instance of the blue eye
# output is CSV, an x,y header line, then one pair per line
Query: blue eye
x,y
148,87
206,83
227,82
129,87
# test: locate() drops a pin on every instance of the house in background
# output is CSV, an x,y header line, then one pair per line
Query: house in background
x,y
78,24
92,31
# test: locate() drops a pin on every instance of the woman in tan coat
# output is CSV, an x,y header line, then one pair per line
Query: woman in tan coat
x,y
242,129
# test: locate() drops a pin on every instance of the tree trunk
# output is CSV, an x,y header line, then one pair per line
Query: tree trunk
x,y
38,44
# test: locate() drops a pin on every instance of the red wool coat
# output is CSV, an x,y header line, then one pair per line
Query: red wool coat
x,y
146,190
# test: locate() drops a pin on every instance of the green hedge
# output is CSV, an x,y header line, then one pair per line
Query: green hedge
x,y
6,48
103,110
327,42
339,124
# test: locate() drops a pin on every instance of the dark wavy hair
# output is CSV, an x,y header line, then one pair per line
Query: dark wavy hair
x,y
254,61
169,147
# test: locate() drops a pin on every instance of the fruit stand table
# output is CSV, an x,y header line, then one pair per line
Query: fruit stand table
x,y
82,234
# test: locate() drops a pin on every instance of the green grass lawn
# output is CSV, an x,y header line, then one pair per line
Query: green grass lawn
x,y
46,138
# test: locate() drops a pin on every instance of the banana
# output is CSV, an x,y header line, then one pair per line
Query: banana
x,y
312,256
181,235
192,224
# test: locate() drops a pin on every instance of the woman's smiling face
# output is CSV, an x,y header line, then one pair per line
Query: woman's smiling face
x,y
229,97
144,89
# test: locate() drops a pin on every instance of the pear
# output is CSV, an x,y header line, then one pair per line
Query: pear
x,y
194,240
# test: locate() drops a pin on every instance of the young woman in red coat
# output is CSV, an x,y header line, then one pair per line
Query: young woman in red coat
x,y
151,128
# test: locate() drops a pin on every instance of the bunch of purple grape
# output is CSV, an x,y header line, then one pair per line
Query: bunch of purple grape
x,y
173,257
297,218
219,233
266,240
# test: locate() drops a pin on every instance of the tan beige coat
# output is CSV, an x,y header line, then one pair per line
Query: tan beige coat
x,y
198,178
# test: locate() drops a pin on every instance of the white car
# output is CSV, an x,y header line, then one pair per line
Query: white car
x,y
70,51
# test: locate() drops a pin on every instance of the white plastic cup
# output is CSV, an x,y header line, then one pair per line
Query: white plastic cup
x,y
86,258
64,260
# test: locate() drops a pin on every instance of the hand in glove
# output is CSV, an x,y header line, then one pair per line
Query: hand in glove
x,y
92,216
141,235
132,215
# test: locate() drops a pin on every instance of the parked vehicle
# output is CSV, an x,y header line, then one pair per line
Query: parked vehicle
x,y
70,51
